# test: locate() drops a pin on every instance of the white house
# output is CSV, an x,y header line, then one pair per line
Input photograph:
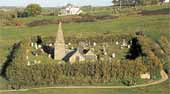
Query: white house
x,y
70,9
167,1
164,1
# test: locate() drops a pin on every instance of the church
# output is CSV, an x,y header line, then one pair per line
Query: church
x,y
70,55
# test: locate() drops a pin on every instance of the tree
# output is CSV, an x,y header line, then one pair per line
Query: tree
x,y
121,3
33,10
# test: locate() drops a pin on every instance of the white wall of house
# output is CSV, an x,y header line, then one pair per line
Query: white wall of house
x,y
70,10
166,1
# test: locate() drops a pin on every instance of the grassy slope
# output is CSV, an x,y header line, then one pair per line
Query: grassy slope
x,y
152,25
156,89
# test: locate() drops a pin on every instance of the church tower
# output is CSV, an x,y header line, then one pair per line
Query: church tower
x,y
59,50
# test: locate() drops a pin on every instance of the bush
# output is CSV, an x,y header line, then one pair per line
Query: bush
x,y
53,74
33,10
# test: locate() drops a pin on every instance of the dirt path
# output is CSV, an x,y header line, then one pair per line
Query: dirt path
x,y
163,75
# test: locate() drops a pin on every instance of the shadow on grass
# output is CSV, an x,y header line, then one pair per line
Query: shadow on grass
x,y
9,59
156,12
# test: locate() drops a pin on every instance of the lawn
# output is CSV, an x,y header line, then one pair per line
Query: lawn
x,y
153,26
162,88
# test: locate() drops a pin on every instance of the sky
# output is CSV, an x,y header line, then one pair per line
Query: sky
x,y
54,3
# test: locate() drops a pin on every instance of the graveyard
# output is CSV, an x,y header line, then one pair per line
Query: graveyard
x,y
85,50
122,51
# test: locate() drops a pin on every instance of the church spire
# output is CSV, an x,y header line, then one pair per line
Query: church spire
x,y
59,51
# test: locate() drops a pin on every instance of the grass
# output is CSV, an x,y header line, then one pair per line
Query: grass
x,y
162,88
156,7
153,26
3,83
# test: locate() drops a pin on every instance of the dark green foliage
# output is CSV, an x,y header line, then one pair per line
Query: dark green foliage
x,y
33,10
134,2
86,73
21,75
71,19
152,56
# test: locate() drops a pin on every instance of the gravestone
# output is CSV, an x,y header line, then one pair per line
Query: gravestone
x,y
117,43
69,43
32,44
27,57
39,46
124,43
50,44
49,55
113,55
36,46
129,46
94,44
28,63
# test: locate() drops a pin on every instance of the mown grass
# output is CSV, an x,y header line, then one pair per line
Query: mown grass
x,y
153,26
162,88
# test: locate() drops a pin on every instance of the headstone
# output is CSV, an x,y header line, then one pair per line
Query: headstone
x,y
69,43
32,44
39,46
27,57
38,62
42,50
105,53
50,44
49,55
113,55
36,54
131,42
28,63
36,46
129,46
117,43
94,44
124,43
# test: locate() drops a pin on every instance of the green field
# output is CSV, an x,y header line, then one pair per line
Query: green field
x,y
154,26
156,89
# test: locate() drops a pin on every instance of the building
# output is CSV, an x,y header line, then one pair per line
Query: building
x,y
166,1
70,9
59,49
72,56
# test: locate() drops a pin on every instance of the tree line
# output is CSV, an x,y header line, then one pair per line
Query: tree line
x,y
20,75
135,2
87,73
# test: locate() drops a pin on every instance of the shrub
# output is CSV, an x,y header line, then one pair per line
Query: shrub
x,y
33,10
